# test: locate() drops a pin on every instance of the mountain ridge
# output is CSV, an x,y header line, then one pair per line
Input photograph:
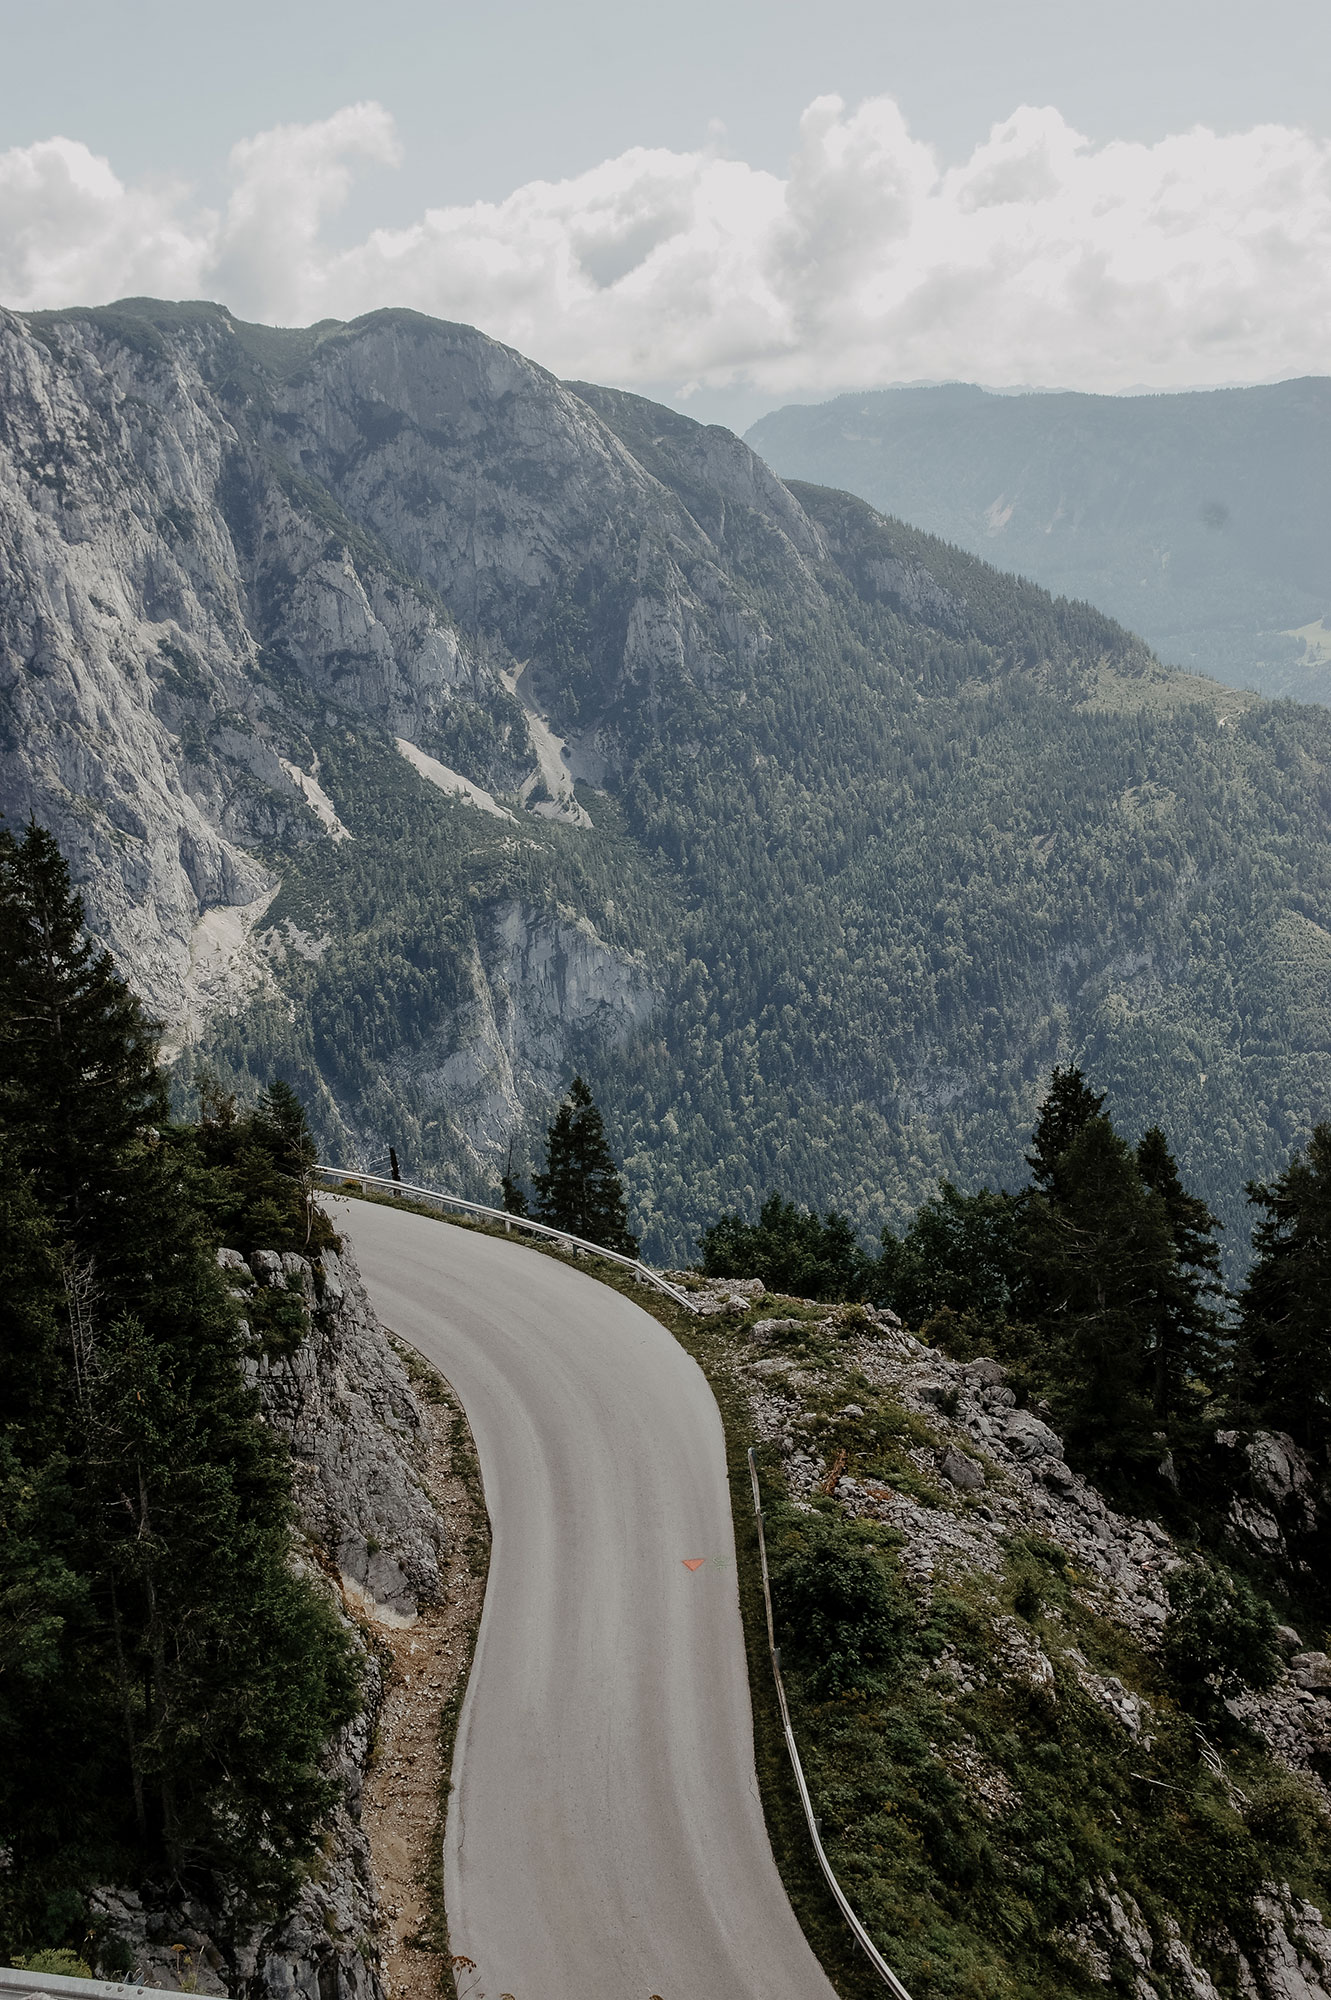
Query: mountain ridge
x,y
1198,517
815,840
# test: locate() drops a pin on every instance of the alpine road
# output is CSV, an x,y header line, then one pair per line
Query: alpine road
x,y
605,1838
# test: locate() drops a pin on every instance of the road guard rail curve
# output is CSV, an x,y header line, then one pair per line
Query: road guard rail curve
x,y
352,1176
862,1938
335,1177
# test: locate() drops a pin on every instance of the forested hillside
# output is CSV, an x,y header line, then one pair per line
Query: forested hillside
x,y
424,730
1199,519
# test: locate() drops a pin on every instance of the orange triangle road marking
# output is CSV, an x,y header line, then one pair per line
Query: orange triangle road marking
x,y
693,1562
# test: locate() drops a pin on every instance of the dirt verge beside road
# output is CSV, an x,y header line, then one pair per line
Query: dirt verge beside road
x,y
426,1664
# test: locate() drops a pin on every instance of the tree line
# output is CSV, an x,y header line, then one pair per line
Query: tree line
x,y
1100,1282
168,1681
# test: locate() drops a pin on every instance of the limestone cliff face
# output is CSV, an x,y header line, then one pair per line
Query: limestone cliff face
x,y
222,547
540,987
205,544
169,613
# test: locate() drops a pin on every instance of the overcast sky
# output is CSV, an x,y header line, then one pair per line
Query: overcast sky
x,y
728,204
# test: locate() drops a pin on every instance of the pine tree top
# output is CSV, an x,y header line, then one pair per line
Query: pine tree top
x,y
581,1190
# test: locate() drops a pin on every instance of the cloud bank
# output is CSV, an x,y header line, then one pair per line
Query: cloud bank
x,y
1041,259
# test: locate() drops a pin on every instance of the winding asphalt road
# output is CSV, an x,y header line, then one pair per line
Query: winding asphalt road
x,y
605,1839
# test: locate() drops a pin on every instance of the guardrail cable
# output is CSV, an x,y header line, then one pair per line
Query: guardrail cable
x,y
862,1938
353,1176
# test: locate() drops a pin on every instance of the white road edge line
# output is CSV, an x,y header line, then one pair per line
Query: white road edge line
x,y
862,1938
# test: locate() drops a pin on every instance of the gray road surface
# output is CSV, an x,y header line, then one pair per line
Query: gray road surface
x,y
605,1839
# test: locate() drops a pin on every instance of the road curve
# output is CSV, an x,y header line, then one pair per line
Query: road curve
x,y
605,1839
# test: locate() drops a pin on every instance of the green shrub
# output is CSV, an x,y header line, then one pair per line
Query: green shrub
x,y
66,1964
1220,1636
837,1613
796,1251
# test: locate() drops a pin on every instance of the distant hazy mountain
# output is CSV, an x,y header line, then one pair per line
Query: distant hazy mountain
x,y
421,728
1203,520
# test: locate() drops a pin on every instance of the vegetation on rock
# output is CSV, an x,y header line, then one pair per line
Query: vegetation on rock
x,y
169,1681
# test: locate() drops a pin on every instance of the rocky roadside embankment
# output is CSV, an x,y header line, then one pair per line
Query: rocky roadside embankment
x,y
972,1472
391,1521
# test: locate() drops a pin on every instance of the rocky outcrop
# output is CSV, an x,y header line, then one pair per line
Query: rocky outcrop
x,y
343,1401
1280,1497
338,1393
539,984
978,1480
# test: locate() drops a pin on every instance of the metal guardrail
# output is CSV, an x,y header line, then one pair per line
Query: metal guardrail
x,y
17,1982
346,1175
862,1938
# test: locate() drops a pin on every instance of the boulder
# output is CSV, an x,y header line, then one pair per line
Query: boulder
x,y
961,1471
1029,1438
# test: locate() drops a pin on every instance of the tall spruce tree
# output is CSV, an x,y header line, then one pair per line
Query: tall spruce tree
x,y
79,1082
1185,1324
581,1190
1068,1107
1286,1331
1098,1253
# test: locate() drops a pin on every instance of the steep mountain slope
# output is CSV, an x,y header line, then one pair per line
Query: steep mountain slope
x,y
1201,520
421,727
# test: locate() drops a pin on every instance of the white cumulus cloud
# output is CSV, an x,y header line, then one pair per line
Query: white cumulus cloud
x,y
1041,258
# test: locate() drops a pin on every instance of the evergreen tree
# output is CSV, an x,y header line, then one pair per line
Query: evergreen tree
x,y
45,1598
1286,1333
261,1170
581,1190
1098,1254
958,1254
514,1198
1067,1109
79,1083
1185,1322
171,1680
794,1250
